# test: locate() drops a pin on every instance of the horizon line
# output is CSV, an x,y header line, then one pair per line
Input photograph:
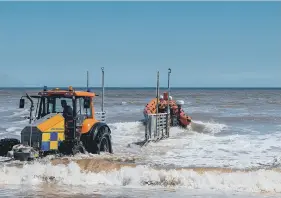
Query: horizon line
x,y
138,87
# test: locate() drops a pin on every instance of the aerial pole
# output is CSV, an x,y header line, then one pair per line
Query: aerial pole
x,y
157,103
168,110
157,92
169,73
88,90
102,98
87,80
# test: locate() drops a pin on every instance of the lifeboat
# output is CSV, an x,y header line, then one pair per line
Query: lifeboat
x,y
177,116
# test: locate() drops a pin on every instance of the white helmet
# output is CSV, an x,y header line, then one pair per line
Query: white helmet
x,y
170,98
180,102
161,97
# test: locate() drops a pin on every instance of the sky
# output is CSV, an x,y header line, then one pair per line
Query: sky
x,y
206,44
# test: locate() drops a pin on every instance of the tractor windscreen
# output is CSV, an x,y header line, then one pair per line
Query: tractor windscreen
x,y
56,104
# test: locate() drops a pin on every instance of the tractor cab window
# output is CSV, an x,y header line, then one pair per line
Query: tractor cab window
x,y
55,104
41,107
81,110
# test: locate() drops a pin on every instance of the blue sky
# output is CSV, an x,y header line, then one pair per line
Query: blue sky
x,y
207,44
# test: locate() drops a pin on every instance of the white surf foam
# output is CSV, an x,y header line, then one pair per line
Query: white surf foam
x,y
207,127
190,148
13,128
18,113
140,176
196,146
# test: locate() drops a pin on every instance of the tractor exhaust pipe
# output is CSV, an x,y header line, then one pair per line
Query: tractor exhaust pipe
x,y
31,108
30,117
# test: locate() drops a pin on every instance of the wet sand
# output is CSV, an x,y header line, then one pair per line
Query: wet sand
x,y
107,165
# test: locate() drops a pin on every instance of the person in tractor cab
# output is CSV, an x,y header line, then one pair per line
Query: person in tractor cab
x,y
67,110
68,117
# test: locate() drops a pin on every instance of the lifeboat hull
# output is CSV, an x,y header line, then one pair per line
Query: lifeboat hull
x,y
178,117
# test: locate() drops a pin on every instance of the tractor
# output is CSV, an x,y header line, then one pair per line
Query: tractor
x,y
64,122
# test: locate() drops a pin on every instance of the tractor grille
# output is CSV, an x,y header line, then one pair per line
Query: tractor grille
x,y
35,134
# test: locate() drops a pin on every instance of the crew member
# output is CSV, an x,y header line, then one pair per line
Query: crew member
x,y
162,106
68,120
67,110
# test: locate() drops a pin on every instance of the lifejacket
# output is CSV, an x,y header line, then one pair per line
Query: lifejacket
x,y
174,109
180,113
147,110
162,104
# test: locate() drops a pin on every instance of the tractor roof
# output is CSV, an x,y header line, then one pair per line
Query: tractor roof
x,y
66,93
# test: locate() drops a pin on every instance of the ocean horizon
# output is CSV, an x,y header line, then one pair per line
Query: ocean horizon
x,y
178,88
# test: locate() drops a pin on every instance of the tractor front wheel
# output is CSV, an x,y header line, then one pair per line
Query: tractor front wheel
x,y
7,144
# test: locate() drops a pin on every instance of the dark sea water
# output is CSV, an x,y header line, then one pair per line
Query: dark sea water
x,y
232,128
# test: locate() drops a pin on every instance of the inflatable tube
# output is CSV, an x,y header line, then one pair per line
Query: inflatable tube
x,y
150,108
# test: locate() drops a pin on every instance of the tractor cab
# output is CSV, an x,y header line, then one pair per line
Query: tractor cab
x,y
79,105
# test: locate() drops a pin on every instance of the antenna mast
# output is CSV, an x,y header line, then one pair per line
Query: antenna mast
x,y
102,106
87,80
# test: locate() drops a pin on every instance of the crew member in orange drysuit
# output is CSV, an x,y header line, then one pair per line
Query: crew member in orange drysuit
x,y
177,111
162,106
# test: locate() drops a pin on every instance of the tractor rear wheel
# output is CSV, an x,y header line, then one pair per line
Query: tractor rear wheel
x,y
101,143
71,147
104,144
78,149
7,144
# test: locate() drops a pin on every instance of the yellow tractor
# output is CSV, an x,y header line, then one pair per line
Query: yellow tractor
x,y
64,122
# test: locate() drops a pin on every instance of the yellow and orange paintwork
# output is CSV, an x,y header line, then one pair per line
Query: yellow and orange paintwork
x,y
56,123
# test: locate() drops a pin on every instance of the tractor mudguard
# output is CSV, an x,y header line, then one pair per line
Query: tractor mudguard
x,y
92,139
96,129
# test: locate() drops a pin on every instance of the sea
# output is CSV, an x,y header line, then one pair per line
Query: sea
x,y
231,149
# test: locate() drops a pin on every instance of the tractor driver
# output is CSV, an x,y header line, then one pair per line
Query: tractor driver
x,y
67,110
68,117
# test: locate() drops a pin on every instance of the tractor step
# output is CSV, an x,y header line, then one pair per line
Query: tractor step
x,y
23,153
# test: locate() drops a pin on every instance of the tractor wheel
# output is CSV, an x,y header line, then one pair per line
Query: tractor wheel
x,y
104,144
7,144
101,143
78,149
71,147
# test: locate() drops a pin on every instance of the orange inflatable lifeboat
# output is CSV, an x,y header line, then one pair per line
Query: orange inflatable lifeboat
x,y
177,115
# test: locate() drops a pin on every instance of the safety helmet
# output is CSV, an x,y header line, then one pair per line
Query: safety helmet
x,y
161,97
170,98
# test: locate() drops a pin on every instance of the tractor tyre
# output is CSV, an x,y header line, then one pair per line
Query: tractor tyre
x,y
78,148
101,143
71,147
7,144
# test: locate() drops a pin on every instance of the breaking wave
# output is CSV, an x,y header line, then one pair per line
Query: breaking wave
x,y
207,127
98,171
